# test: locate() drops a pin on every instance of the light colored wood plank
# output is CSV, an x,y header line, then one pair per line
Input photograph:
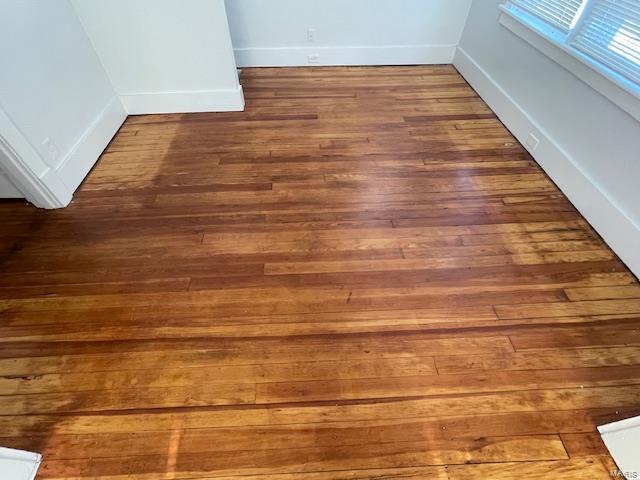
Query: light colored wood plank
x,y
603,293
561,470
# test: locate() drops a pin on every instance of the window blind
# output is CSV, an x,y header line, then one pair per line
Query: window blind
x,y
610,34
559,13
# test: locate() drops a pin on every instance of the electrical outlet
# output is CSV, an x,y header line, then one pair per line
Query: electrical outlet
x,y
313,58
311,35
532,142
52,148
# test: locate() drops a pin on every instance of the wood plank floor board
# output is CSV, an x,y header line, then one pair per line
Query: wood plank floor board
x,y
599,404
268,461
571,424
361,276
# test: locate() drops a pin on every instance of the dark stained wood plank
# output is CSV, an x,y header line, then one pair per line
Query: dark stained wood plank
x,y
584,444
540,360
602,307
496,381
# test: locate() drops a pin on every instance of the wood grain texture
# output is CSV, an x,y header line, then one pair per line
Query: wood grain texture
x,y
362,276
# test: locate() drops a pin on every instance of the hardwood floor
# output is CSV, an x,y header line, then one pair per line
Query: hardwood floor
x,y
362,276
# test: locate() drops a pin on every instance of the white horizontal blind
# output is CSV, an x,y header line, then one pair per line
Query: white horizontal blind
x,y
559,13
610,34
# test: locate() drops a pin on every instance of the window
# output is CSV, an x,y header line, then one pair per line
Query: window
x,y
611,35
561,14
605,34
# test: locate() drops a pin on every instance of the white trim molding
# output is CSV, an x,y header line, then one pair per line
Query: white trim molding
x,y
336,56
7,188
22,163
231,100
48,187
610,221
77,164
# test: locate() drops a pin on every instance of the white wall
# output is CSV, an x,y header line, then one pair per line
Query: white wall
x,y
62,91
589,146
274,32
165,55
57,107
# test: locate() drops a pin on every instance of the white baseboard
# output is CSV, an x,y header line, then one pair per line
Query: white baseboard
x,y
184,102
87,150
615,227
327,56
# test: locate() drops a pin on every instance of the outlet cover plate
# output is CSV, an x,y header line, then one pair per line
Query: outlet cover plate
x,y
532,142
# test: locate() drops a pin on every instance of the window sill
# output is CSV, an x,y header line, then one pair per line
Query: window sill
x,y
618,90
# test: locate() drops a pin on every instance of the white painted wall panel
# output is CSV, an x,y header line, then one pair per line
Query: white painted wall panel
x,y
52,84
165,55
346,31
58,109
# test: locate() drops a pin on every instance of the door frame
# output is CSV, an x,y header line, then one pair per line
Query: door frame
x,y
25,168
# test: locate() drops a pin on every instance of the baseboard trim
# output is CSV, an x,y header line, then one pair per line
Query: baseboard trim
x,y
336,56
184,102
615,227
75,167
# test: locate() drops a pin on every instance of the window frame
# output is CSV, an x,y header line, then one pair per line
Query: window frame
x,y
556,44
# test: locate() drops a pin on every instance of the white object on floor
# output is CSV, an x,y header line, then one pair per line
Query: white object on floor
x,y
623,441
18,465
